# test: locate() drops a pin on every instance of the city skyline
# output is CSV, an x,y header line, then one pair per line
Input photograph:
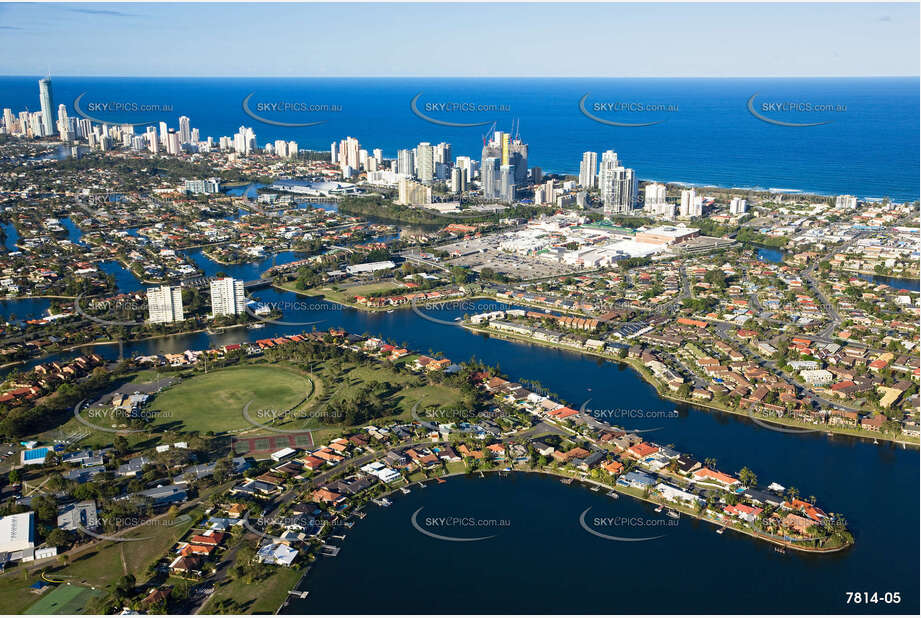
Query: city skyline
x,y
872,39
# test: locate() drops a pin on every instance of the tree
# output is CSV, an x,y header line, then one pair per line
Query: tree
x,y
120,444
747,477
716,278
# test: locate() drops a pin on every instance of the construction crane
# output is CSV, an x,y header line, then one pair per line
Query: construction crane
x,y
489,132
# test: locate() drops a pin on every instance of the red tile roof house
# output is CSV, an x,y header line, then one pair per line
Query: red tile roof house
x,y
743,511
185,564
706,474
211,537
313,463
496,451
198,550
643,449
798,523
562,413
328,497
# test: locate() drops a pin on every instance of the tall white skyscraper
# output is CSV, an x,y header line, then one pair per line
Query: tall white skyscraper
x,y
443,153
467,164
738,206
44,96
654,199
588,170
425,163
617,185
348,153
334,153
8,120
185,130
227,297
489,177
691,204
406,162
164,304
173,143
846,201
378,155
244,141
153,144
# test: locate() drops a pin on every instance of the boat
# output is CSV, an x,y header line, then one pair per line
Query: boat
x,y
390,311
457,319
255,326
659,508
405,490
566,481
721,530
613,494
422,485
440,481
875,441
673,514
595,488
780,550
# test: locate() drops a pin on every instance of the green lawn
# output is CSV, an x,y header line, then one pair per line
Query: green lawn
x,y
214,401
64,600
262,597
102,564
344,295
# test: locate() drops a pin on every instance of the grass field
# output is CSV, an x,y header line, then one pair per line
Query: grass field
x,y
345,294
63,600
215,401
104,563
262,597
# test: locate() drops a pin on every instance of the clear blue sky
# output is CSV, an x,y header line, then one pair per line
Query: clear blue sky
x,y
615,40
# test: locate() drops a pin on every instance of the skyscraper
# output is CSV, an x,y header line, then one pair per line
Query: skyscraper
x,y
691,204
153,144
518,157
846,201
458,179
8,120
489,177
617,185
173,144
406,162
509,151
185,130
227,297
348,153
164,304
425,163
44,96
443,153
654,200
413,193
507,183
588,170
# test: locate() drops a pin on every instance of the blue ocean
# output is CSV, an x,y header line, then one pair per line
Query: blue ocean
x,y
861,136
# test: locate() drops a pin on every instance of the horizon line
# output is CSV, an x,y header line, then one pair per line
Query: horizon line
x,y
473,76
